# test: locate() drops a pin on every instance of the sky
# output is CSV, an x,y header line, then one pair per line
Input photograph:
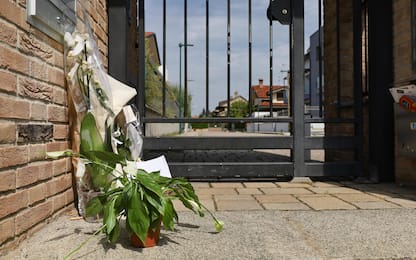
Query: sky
x,y
218,45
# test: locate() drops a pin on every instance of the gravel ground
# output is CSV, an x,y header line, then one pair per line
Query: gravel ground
x,y
337,234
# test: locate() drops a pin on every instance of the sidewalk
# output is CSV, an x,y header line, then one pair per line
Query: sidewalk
x,y
266,220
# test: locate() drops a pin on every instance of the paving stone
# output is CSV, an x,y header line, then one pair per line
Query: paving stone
x,y
375,205
210,191
238,205
326,184
227,185
357,197
405,203
275,198
233,197
249,191
200,184
334,190
293,185
325,202
285,191
259,184
285,206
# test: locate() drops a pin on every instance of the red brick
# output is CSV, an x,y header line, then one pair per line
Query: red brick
x,y
8,180
38,69
57,114
34,89
37,152
13,203
59,96
8,82
59,184
13,60
59,166
7,229
27,175
14,108
13,155
56,76
45,170
33,216
37,193
8,133
60,132
69,196
14,14
59,201
58,60
8,34
38,111
57,146
34,47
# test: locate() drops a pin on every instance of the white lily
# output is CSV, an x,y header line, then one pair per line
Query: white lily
x,y
79,47
72,72
70,41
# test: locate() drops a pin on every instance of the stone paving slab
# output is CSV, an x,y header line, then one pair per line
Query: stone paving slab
x,y
325,202
285,191
375,205
285,206
276,198
306,196
238,205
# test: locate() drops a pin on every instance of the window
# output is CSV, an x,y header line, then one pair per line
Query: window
x,y
50,16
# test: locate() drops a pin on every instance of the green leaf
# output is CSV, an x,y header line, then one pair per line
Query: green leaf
x,y
110,217
149,182
90,136
108,158
168,215
154,200
94,207
114,234
138,216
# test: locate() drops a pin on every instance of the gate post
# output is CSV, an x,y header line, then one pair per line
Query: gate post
x,y
297,68
141,74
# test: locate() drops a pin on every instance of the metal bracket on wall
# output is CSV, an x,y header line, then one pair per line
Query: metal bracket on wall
x,y
280,10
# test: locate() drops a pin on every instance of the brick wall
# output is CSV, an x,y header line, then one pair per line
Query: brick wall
x,y
344,109
34,120
405,167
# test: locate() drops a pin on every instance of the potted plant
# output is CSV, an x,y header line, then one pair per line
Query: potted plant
x,y
142,199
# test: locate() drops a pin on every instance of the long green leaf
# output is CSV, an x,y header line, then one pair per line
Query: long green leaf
x,y
168,215
115,233
90,136
110,217
138,216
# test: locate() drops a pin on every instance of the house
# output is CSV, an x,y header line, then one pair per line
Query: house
x,y
314,85
261,98
222,109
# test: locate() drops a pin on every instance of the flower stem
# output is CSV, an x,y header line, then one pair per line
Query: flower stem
x,y
84,242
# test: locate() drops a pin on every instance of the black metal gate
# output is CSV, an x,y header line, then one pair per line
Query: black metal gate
x,y
244,156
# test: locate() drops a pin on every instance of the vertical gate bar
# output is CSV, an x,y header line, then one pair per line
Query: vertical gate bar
x,y
207,59
320,56
271,68
185,25
228,58
358,94
250,45
164,60
141,74
298,87
338,26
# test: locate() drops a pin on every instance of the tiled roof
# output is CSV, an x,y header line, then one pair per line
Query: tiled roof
x,y
261,91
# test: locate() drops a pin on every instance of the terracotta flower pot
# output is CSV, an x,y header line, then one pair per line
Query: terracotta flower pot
x,y
152,238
